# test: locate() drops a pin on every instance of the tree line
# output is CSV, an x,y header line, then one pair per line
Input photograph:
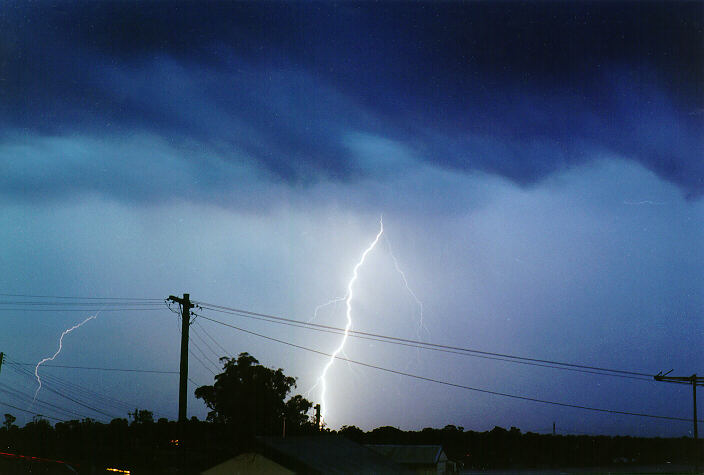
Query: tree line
x,y
248,399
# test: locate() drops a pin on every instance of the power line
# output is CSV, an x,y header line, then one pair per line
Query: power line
x,y
75,393
49,388
27,398
63,303
367,335
55,310
81,392
81,298
194,383
102,399
205,343
75,390
446,383
443,350
201,362
95,398
128,370
432,346
206,358
30,412
225,352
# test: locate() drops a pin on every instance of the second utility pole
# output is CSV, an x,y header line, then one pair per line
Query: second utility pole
x,y
694,381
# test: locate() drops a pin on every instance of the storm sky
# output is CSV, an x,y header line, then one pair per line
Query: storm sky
x,y
538,168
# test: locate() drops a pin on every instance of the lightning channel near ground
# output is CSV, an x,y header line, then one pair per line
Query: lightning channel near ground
x,y
61,340
348,302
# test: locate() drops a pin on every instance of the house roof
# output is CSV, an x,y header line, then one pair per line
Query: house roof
x,y
248,463
325,454
410,454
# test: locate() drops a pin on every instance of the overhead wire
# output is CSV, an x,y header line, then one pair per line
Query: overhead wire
x,y
81,391
156,303
528,363
201,362
225,352
58,303
77,303
31,412
456,385
73,398
203,342
81,298
26,398
93,397
55,310
140,304
78,394
126,370
432,346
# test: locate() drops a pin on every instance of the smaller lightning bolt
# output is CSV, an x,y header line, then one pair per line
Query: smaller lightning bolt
x,y
348,300
323,305
61,339
421,324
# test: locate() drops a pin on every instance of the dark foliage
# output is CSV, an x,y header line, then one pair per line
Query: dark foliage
x,y
251,399
153,447
502,448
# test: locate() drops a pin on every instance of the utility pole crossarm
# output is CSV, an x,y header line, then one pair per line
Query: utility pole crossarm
x,y
694,379
186,301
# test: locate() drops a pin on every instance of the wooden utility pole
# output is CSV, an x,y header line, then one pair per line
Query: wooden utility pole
x,y
694,381
186,307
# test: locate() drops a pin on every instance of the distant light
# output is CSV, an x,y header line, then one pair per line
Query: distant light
x,y
118,470
174,442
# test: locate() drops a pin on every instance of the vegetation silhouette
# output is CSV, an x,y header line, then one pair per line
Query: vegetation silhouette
x,y
251,399
248,399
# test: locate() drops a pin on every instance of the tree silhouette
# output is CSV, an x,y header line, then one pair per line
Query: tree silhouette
x,y
352,432
142,416
251,398
9,421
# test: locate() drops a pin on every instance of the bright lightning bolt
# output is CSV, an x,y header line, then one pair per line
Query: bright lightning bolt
x,y
61,339
334,301
348,299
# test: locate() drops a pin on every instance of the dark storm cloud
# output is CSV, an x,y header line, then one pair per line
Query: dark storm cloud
x,y
516,90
